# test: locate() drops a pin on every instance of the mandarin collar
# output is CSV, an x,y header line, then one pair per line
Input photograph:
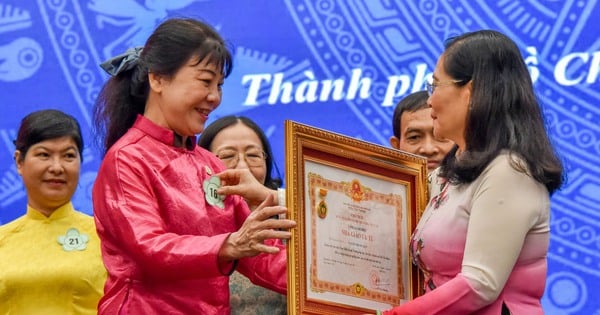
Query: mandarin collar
x,y
59,213
162,134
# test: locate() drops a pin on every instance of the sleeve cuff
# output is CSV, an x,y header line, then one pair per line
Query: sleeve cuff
x,y
281,197
231,265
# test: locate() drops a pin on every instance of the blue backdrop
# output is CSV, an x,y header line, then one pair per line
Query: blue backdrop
x,y
288,55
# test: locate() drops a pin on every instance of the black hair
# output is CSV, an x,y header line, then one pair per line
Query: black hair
x,y
411,103
45,125
170,46
504,113
208,135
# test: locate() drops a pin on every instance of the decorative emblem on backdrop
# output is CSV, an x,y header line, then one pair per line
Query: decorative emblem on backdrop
x,y
22,56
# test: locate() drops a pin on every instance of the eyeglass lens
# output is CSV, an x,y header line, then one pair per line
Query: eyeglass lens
x,y
253,157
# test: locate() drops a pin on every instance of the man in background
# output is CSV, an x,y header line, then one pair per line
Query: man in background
x,y
413,130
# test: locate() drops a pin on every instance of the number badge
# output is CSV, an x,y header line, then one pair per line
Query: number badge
x,y
210,192
73,240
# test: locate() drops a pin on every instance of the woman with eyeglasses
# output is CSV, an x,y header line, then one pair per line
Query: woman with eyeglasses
x,y
483,239
241,144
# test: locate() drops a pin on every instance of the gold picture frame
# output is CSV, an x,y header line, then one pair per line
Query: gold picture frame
x,y
355,204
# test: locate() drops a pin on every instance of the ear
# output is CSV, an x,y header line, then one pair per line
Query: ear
x,y
156,82
18,162
469,89
395,142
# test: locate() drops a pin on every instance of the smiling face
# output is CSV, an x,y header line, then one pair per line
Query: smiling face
x,y
183,102
416,136
449,106
239,139
50,172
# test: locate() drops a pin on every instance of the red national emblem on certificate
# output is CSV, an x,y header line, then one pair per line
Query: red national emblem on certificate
x,y
356,191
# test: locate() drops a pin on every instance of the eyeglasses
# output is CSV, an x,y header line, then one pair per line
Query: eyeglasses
x,y
431,85
254,157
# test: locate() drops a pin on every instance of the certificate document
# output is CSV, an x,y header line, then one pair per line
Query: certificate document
x,y
355,253
355,205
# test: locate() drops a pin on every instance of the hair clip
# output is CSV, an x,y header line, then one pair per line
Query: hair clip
x,y
123,62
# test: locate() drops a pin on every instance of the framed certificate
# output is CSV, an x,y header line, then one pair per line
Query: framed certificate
x,y
356,205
